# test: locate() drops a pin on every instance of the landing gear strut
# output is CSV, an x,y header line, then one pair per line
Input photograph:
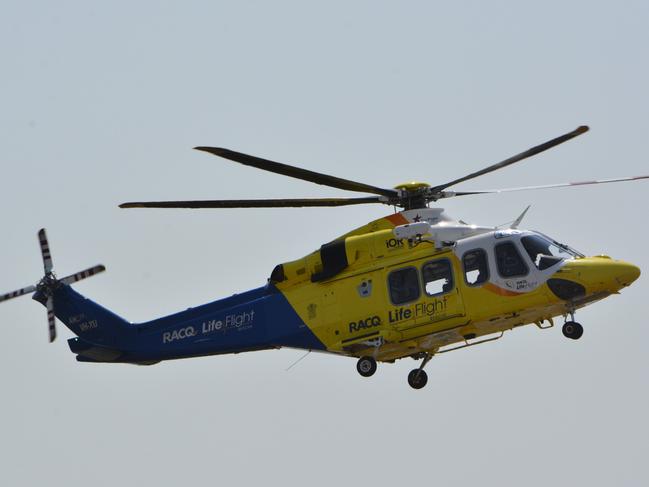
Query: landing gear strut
x,y
571,329
366,366
417,378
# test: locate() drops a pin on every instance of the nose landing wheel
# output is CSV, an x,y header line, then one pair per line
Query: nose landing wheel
x,y
572,330
417,378
366,366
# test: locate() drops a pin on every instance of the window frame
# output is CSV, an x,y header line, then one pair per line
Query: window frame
x,y
450,265
520,256
486,257
418,285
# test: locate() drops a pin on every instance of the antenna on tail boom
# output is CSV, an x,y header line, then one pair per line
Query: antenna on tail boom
x,y
49,283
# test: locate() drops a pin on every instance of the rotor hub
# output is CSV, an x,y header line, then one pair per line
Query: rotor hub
x,y
413,195
47,284
412,186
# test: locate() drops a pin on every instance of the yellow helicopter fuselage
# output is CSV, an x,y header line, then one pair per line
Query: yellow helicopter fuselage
x,y
370,293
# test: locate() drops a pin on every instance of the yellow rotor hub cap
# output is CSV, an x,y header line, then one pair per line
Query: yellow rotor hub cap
x,y
412,186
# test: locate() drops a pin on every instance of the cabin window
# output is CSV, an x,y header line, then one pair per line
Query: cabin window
x,y
509,260
438,277
404,285
476,268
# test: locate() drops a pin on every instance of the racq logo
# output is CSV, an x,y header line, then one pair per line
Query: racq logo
x,y
364,324
172,336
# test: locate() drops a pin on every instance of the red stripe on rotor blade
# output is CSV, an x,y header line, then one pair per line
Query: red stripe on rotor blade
x,y
580,183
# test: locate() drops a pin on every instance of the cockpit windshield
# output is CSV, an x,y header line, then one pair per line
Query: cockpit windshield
x,y
546,252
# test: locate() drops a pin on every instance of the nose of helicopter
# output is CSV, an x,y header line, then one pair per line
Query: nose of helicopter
x,y
601,273
626,273
616,274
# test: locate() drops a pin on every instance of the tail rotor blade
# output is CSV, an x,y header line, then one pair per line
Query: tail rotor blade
x,y
51,319
83,274
45,251
19,292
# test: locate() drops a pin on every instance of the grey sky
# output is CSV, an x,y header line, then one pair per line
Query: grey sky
x,y
101,103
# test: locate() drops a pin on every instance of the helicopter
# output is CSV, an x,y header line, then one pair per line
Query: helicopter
x,y
415,283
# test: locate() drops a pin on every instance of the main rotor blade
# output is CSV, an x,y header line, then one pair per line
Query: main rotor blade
x,y
299,173
19,292
45,251
51,319
449,194
518,157
83,274
271,203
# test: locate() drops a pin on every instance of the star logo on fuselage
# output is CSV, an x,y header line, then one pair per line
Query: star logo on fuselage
x,y
417,218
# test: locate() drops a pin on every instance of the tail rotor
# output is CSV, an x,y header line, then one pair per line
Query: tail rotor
x,y
49,283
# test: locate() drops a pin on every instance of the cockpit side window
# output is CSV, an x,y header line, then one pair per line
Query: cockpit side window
x,y
438,277
403,285
543,253
509,260
476,269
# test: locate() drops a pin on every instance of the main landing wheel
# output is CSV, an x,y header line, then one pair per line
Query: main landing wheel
x,y
366,366
417,378
573,330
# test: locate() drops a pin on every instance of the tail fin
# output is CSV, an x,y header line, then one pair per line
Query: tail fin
x,y
88,320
